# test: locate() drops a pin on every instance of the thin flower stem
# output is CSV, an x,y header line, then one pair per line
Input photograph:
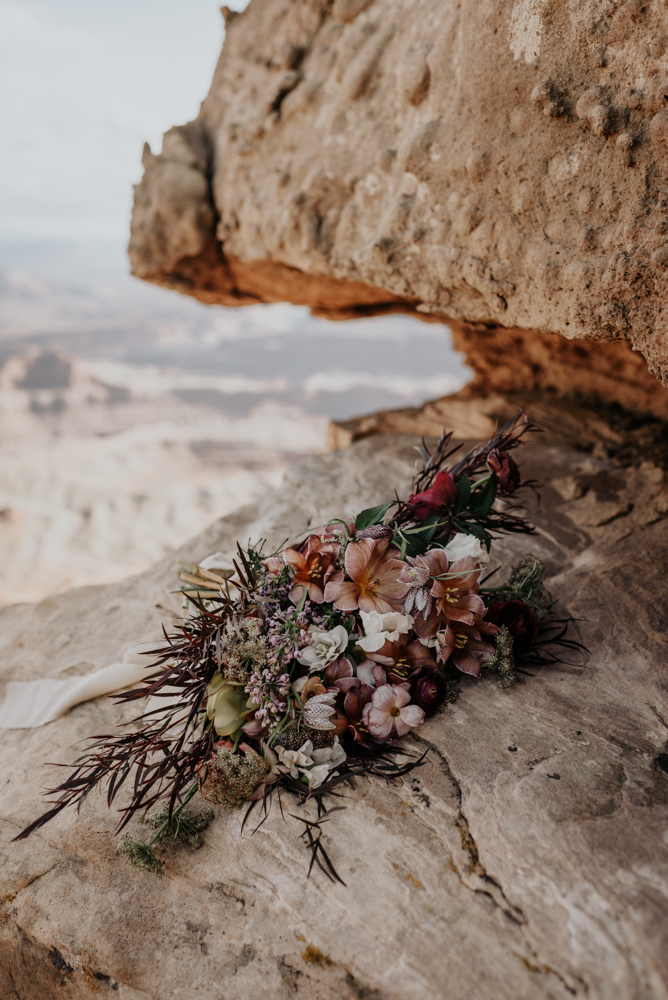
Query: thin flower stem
x,y
175,815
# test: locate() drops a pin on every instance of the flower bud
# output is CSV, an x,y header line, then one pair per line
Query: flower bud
x,y
428,689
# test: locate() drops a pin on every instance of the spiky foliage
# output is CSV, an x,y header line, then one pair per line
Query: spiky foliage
x,y
164,756
186,828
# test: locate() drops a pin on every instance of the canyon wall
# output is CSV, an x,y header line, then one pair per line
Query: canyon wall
x,y
497,164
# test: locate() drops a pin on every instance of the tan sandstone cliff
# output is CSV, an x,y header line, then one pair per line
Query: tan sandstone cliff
x,y
499,164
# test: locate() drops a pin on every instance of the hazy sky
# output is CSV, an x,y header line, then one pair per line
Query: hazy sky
x,y
82,84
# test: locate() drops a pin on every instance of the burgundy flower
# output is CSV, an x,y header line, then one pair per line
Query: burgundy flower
x,y
428,688
518,618
505,468
440,496
353,705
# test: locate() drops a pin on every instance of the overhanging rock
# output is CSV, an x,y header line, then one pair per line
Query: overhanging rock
x,y
501,164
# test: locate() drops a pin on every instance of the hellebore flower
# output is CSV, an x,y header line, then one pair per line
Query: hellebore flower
x,y
506,470
462,545
440,496
311,766
389,711
373,568
518,618
292,760
227,704
311,569
382,628
428,688
326,647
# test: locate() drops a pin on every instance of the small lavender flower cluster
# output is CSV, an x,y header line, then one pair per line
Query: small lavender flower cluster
x,y
287,634
269,692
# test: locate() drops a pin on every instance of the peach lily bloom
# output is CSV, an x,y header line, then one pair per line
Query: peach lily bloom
x,y
311,568
373,568
455,587
463,646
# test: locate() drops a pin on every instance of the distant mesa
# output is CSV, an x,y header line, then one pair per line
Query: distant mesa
x,y
47,371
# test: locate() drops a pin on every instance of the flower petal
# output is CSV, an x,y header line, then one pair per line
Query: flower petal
x,y
411,716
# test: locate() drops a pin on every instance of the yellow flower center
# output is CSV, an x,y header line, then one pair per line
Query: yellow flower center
x,y
394,712
460,640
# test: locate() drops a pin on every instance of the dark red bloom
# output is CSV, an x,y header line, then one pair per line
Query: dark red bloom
x,y
440,496
518,618
428,689
505,468
353,705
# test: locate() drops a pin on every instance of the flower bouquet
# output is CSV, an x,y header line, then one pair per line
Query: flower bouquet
x,y
301,670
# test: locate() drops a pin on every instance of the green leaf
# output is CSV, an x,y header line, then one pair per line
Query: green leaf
x,y
350,624
471,528
463,494
482,500
372,515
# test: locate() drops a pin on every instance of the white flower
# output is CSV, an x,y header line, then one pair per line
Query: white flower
x,y
317,710
380,628
294,759
466,545
326,647
332,756
326,760
316,775
436,642
364,671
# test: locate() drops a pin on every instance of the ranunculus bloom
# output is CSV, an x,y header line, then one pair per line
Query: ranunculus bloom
x,y
326,647
380,629
311,568
428,688
373,568
506,470
439,498
518,618
389,712
466,545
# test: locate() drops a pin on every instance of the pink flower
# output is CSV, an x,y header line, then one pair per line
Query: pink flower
x,y
389,711
373,568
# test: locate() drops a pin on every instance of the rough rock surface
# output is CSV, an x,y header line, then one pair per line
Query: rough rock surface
x,y
527,860
501,162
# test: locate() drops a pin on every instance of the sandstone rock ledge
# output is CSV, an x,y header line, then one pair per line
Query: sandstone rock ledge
x,y
527,860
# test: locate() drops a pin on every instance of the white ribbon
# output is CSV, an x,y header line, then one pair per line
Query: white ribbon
x,y
29,704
